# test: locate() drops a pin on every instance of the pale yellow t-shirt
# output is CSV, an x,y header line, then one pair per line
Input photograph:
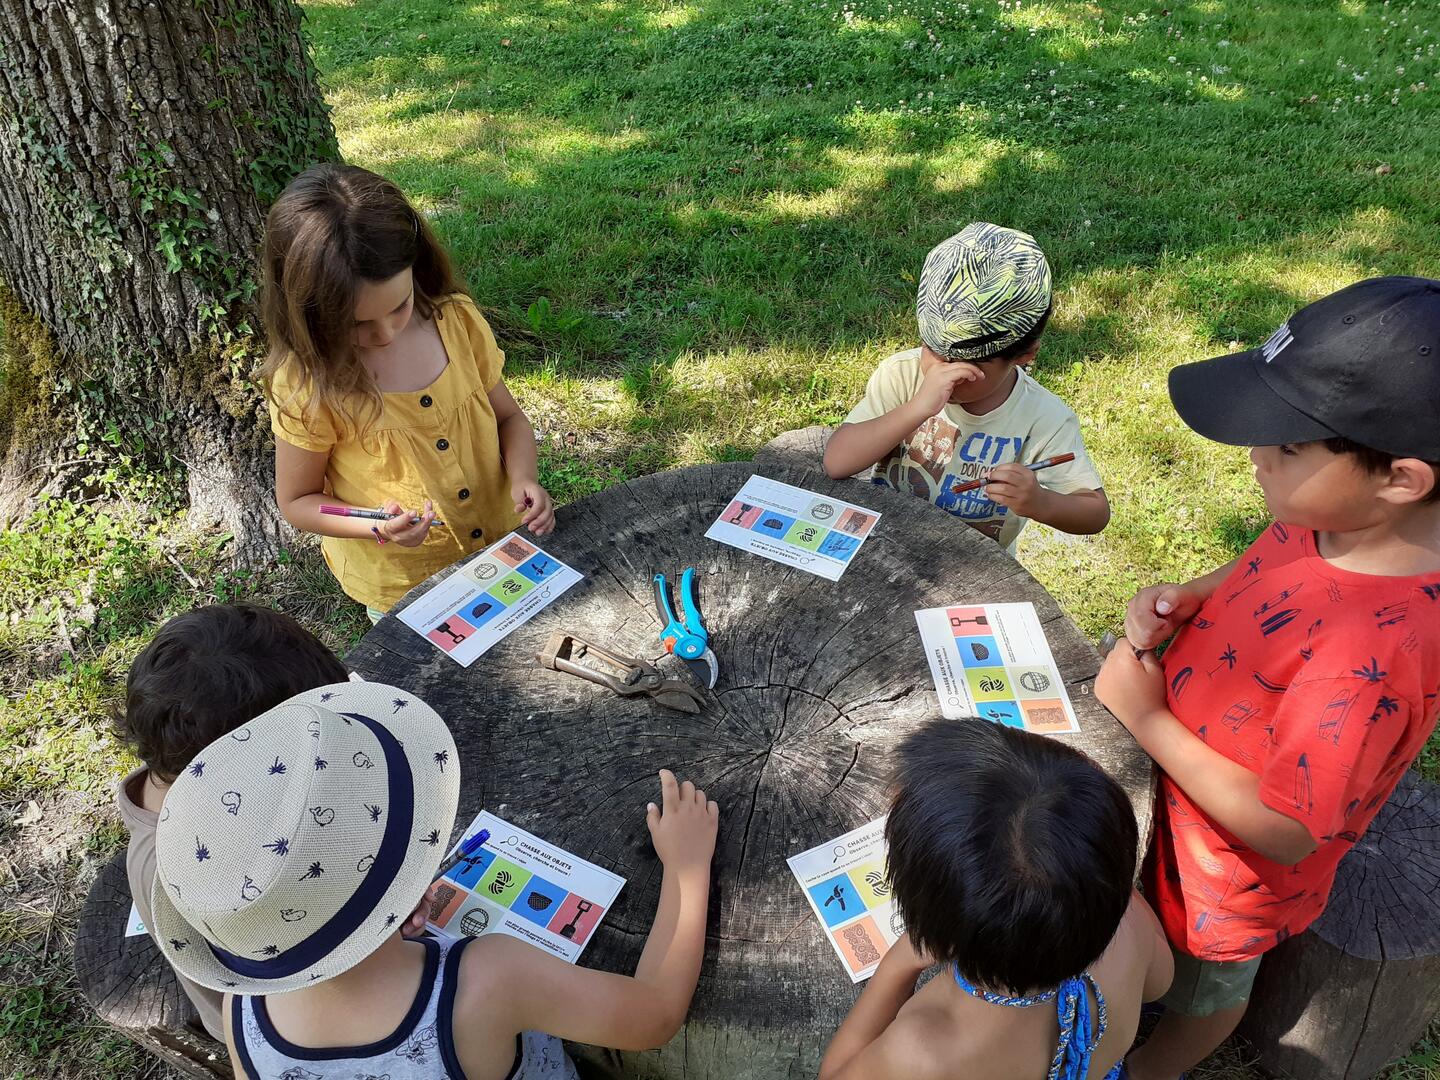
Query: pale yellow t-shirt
x,y
956,445
439,443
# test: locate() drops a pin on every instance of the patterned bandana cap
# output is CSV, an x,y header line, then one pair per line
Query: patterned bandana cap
x,y
292,847
981,291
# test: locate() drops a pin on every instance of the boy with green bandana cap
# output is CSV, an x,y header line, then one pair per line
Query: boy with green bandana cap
x,y
961,407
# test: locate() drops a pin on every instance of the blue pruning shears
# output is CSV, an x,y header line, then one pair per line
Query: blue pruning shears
x,y
685,636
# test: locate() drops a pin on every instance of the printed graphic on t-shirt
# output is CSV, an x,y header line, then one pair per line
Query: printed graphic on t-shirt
x,y
1319,682
931,465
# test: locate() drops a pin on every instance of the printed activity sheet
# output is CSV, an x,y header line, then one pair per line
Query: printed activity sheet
x,y
845,882
135,926
790,525
520,885
993,661
503,586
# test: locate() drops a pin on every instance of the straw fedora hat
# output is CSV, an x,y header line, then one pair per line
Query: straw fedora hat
x,y
290,848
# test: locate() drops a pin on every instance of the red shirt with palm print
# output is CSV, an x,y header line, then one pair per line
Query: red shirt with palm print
x,y
1326,684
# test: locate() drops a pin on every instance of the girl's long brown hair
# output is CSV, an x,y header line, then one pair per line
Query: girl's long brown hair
x,y
333,227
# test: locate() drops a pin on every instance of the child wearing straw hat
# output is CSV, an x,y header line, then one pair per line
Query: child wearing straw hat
x,y
294,851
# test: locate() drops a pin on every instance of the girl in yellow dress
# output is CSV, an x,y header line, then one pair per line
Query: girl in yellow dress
x,y
385,390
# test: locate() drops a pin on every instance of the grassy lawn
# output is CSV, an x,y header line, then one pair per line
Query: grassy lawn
x,y
695,226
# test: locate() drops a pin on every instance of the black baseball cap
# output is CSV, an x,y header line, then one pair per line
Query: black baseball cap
x,y
1362,363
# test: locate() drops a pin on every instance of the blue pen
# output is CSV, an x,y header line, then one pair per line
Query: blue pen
x,y
468,848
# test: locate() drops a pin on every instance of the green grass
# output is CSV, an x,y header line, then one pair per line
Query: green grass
x,y
695,226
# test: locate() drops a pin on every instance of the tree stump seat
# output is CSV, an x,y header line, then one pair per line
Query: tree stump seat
x,y
1359,987
132,987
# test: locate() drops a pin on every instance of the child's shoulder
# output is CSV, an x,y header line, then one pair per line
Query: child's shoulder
x,y
906,362
461,306
1042,401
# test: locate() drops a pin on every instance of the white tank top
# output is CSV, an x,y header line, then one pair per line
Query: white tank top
x,y
421,1048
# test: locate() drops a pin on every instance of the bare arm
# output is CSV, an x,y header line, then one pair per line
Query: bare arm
x,y
1160,972
1078,512
856,446
892,985
1132,687
225,1007
300,492
533,990
522,463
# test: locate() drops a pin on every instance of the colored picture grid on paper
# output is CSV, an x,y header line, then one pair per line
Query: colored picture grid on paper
x,y
1017,695
508,574
853,906
839,542
502,885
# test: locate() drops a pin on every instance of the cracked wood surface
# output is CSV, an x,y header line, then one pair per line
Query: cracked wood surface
x,y
817,681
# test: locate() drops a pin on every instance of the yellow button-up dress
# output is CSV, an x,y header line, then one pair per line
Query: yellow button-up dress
x,y
439,443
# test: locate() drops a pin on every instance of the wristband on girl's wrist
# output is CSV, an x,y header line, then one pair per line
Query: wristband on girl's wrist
x,y
378,538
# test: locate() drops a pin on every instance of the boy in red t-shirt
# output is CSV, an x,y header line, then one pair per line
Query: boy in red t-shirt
x,y
1304,677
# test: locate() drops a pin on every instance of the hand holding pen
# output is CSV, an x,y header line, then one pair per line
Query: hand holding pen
x,y
395,523
414,926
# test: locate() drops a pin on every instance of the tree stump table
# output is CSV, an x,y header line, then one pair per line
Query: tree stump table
x,y
818,680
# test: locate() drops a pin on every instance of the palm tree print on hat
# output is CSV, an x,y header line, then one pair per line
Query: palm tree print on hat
x,y
432,839
321,763
278,769
399,704
441,757
314,872
201,851
197,768
279,847
373,811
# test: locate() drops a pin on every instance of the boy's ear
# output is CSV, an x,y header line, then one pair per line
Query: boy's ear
x,y
1410,481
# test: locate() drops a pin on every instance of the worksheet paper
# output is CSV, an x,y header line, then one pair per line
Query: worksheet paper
x,y
134,925
518,884
845,882
993,661
502,587
790,525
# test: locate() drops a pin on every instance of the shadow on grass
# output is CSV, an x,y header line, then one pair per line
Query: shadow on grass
x,y
707,176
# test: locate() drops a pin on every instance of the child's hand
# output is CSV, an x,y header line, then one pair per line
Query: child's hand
x,y
1131,686
1016,488
414,924
534,503
940,382
398,528
1154,614
683,827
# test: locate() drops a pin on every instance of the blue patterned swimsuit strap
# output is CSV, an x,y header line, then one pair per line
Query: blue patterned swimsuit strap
x,y
1072,1008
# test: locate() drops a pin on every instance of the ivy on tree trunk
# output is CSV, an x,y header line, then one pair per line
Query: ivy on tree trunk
x,y
141,143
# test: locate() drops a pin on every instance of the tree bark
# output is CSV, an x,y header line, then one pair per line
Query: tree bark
x,y
141,142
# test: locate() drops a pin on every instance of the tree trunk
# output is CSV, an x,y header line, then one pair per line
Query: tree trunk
x,y
141,142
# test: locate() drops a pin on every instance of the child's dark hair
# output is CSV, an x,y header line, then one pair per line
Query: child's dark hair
x,y
1012,855
209,671
332,228
1378,462
1021,345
